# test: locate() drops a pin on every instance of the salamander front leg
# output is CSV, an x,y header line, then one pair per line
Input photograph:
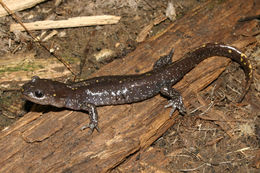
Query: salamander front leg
x,y
93,115
164,60
175,99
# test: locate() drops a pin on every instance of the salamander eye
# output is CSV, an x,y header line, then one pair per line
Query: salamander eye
x,y
38,94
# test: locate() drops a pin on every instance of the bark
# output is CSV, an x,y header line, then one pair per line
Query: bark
x,y
53,141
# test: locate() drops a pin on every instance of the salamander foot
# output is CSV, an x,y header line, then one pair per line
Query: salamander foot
x,y
176,105
175,99
93,115
92,126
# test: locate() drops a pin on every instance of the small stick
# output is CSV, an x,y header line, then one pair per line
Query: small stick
x,y
18,5
16,18
71,22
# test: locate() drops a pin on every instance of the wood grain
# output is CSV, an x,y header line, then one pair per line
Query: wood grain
x,y
69,23
53,142
18,5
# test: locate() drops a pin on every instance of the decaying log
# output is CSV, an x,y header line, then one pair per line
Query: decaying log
x,y
53,141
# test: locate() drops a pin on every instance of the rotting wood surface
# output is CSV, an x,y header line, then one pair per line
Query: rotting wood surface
x,y
53,141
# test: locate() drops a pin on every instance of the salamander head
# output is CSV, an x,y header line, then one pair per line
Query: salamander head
x,y
44,92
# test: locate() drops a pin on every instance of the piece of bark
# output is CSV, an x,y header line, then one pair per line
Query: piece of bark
x,y
143,34
69,23
150,160
26,66
17,5
256,160
53,142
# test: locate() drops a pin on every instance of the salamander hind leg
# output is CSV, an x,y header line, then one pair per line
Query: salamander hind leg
x,y
93,115
164,60
175,99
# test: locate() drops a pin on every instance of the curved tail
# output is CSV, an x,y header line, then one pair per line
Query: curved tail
x,y
218,49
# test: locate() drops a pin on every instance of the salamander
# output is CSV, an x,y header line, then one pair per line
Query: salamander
x,y
124,89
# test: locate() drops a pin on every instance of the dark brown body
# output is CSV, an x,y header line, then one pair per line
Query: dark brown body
x,y
113,90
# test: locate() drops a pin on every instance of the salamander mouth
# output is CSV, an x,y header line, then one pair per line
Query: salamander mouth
x,y
30,99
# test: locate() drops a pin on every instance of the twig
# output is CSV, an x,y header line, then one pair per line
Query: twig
x,y
68,23
18,5
35,38
210,105
193,169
